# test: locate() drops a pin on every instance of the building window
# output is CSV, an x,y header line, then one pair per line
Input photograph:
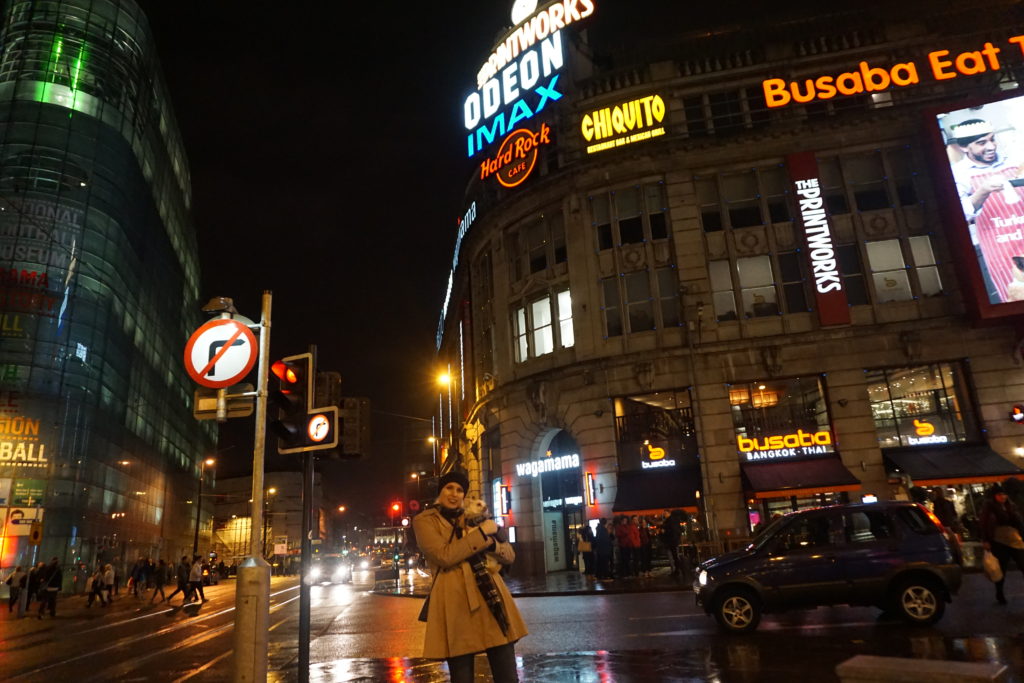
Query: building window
x,y
648,423
888,271
924,265
743,199
792,278
645,303
921,405
757,286
852,272
721,290
632,215
534,330
538,246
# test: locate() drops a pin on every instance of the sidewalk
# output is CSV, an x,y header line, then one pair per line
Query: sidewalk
x,y
416,583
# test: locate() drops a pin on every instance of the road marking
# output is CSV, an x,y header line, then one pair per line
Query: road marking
x,y
134,639
218,658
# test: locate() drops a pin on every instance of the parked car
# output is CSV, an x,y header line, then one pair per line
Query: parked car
x,y
893,555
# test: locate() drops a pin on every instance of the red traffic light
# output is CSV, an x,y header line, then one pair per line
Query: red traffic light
x,y
284,372
396,507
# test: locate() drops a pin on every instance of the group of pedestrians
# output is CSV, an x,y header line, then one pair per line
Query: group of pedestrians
x,y
624,546
43,583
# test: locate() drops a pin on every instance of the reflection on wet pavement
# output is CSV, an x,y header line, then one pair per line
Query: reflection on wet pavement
x,y
776,658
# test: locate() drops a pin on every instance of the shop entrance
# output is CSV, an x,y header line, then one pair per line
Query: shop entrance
x,y
561,495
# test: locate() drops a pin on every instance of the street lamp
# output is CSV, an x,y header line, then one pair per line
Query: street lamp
x,y
266,517
209,462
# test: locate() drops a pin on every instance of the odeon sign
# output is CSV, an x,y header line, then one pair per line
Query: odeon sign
x,y
785,445
525,62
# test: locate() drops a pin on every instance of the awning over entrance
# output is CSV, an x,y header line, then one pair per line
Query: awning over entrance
x,y
642,491
798,477
959,464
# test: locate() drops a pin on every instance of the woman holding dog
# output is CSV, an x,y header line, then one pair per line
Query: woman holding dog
x,y
469,609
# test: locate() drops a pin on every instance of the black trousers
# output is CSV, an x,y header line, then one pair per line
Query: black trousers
x,y
502,660
1004,554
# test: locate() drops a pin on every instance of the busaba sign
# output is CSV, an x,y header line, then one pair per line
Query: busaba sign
x,y
829,293
517,156
937,65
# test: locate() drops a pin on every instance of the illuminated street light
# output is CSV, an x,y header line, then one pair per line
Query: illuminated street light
x,y
444,379
208,462
342,508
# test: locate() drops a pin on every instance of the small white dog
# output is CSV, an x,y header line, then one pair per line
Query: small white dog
x,y
476,512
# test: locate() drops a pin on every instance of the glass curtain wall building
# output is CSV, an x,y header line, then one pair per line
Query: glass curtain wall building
x,y
99,289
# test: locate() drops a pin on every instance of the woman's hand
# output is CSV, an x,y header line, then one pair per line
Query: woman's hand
x,y
489,527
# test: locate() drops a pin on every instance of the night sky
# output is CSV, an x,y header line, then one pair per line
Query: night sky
x,y
325,145
326,148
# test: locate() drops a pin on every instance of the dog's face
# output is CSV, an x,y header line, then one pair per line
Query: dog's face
x,y
476,511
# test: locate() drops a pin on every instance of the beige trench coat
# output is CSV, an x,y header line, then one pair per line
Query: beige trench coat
x,y
458,619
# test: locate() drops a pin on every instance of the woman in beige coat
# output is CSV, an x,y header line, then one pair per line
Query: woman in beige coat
x,y
470,610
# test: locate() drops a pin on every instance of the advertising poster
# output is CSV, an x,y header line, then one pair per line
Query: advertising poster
x,y
554,547
28,492
19,520
984,148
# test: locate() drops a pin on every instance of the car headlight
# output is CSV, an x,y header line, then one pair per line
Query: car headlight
x,y
364,564
702,577
314,573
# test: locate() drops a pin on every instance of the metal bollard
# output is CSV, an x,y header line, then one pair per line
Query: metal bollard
x,y
252,619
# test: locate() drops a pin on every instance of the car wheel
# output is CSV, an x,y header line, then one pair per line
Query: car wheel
x,y
737,610
918,601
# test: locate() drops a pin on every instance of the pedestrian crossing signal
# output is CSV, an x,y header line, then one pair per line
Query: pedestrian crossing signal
x,y
35,533
1017,413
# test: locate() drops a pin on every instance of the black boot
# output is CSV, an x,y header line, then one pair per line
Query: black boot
x,y
1000,597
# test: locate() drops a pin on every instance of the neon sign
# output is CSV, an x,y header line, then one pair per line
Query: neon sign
x,y
654,456
525,62
620,122
464,224
925,434
558,463
517,156
943,65
785,445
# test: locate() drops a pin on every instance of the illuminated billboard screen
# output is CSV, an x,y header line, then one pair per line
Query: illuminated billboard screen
x,y
983,178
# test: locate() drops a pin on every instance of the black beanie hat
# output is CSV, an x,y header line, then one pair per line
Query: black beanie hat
x,y
458,476
996,488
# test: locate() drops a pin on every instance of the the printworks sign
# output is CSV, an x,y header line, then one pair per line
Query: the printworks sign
x,y
829,293
520,77
623,124
554,464
938,65
785,446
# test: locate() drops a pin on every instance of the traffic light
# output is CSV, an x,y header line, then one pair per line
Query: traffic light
x,y
292,395
1017,413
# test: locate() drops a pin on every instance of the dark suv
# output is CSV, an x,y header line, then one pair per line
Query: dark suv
x,y
893,555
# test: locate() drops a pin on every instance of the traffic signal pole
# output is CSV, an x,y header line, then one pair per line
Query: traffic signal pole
x,y
252,588
308,459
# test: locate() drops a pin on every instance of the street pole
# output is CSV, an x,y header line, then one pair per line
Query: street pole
x,y
199,508
307,552
252,588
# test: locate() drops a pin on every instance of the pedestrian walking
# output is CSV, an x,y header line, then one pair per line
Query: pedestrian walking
x,y
585,542
1002,529
643,546
16,581
97,589
79,578
33,581
181,573
50,581
603,550
672,536
160,577
195,580
469,609
109,583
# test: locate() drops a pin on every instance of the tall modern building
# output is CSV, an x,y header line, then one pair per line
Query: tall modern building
x,y
738,268
100,456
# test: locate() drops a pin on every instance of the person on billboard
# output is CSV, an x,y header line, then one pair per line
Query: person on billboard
x,y
992,195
